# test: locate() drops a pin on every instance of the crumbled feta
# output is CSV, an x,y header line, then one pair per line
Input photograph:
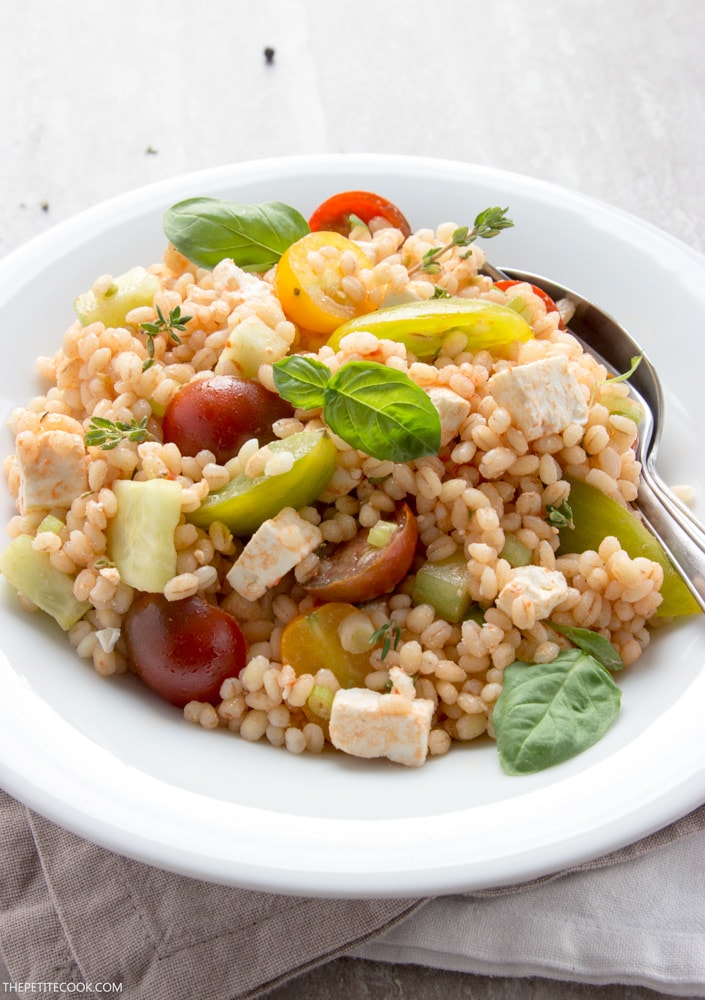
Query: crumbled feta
x,y
52,468
531,594
368,724
277,546
543,397
452,410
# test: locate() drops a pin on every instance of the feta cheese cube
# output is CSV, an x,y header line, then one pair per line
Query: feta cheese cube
x,y
368,724
277,546
52,468
452,410
531,594
543,397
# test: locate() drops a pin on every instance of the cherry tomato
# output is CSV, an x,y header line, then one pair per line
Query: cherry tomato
x,y
311,642
334,214
358,571
311,287
544,296
220,413
183,650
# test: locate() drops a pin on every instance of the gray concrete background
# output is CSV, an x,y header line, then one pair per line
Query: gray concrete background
x,y
606,97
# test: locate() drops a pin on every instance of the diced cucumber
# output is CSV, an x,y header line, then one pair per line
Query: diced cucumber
x,y
136,287
244,504
31,573
51,523
250,344
444,586
141,535
515,552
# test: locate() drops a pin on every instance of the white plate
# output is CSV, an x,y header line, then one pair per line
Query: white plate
x,y
107,760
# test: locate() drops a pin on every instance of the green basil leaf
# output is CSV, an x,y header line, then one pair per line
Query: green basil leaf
x,y
593,643
382,412
301,381
550,712
208,230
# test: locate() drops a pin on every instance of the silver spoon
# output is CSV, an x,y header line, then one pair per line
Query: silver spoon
x,y
677,528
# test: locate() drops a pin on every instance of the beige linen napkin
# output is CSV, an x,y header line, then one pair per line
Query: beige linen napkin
x,y
74,912
71,912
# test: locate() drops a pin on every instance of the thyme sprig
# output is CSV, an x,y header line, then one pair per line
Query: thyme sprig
x,y
560,515
488,223
389,635
107,434
168,325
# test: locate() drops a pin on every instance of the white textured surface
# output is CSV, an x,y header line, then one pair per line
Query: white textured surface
x,y
603,96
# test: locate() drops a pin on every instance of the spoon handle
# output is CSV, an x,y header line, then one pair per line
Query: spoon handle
x,y
683,538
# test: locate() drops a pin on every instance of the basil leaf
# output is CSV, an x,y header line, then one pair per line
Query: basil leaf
x,y
550,712
592,642
301,381
382,412
208,230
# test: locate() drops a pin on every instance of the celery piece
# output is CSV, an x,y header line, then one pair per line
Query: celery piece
x,y
596,516
443,585
51,523
31,573
515,552
136,287
244,504
320,701
141,535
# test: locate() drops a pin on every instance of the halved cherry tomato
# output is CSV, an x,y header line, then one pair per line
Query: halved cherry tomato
x,y
311,287
358,571
183,650
311,642
334,214
220,413
544,296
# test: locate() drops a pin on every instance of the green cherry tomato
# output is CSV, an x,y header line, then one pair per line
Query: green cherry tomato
x,y
595,516
244,504
422,326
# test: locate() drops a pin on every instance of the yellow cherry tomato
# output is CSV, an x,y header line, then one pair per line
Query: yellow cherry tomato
x,y
315,291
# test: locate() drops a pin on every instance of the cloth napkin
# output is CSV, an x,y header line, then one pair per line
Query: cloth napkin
x,y
72,912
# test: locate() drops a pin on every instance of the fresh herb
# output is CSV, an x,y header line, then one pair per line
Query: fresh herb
x,y
548,713
107,434
440,293
389,635
624,377
560,515
593,643
376,409
488,224
208,230
174,322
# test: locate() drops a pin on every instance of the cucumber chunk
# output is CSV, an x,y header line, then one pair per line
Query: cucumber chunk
x,y
136,287
31,573
141,535
444,586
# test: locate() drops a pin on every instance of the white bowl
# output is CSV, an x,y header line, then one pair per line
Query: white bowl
x,y
106,759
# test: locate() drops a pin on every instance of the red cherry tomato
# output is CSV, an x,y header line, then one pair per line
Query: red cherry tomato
x,y
334,214
183,650
544,296
358,571
220,413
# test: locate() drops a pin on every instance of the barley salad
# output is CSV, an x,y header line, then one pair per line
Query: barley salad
x,y
323,483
